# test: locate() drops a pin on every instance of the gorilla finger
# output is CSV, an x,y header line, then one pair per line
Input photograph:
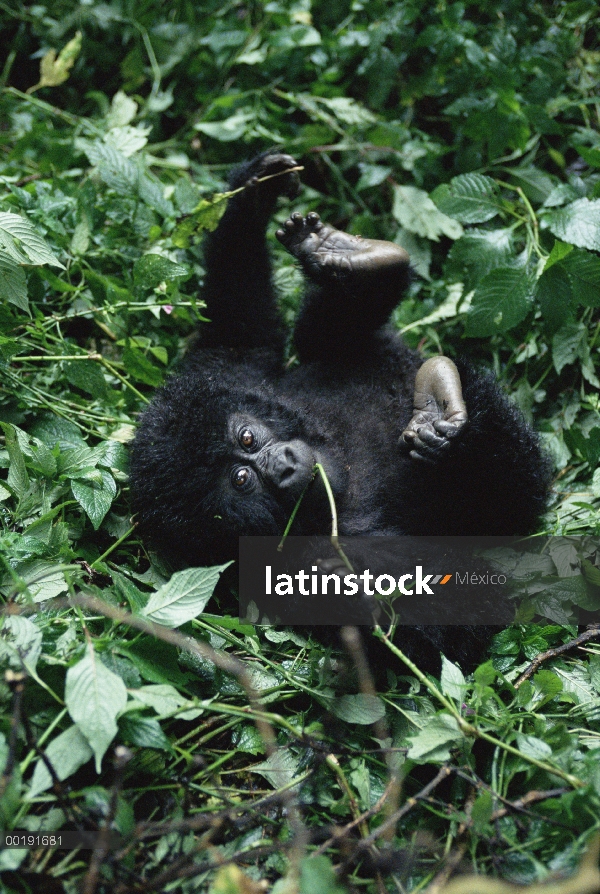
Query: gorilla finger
x,y
448,429
424,459
431,439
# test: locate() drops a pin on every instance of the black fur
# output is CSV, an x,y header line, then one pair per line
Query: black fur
x,y
349,400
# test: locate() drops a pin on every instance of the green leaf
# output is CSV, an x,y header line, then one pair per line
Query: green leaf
x,y
361,708
165,699
501,300
123,110
208,214
54,430
18,479
87,375
469,198
232,128
531,746
95,498
583,270
142,369
184,596
415,211
95,697
67,753
21,243
547,682
317,875
478,252
42,578
555,296
567,344
279,769
20,643
151,270
433,741
578,223
13,285
559,251
145,732
452,680
117,171
481,811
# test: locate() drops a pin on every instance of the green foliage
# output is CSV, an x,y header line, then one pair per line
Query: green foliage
x,y
468,133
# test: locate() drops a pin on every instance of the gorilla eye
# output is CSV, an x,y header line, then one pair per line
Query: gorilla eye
x,y
246,438
240,478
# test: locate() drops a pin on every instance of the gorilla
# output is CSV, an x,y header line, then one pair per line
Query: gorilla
x,y
409,446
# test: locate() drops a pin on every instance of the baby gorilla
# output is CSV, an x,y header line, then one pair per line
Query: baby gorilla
x,y
229,444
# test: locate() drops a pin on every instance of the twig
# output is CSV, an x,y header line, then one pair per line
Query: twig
x,y
584,637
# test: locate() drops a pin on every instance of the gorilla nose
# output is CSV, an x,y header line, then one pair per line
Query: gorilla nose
x,y
289,466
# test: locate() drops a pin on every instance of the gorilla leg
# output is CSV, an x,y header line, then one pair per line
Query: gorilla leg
x,y
354,284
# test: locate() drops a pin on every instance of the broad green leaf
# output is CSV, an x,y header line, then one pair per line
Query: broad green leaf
x,y
80,240
21,243
361,708
20,642
184,596
478,252
452,680
67,753
18,479
279,769
481,811
531,746
165,699
347,110
583,269
87,375
43,579
232,128
145,732
127,139
118,172
142,369
578,223
554,293
317,875
501,300
559,251
13,285
548,683
95,697
95,498
152,269
151,192
433,741
415,211
123,110
56,430
469,198
208,214
567,344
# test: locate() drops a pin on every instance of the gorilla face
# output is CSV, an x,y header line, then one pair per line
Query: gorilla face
x,y
260,462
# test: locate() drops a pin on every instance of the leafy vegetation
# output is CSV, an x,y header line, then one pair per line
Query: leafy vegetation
x,y
466,131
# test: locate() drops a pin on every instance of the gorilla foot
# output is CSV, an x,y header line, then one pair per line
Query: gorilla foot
x,y
439,413
323,250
